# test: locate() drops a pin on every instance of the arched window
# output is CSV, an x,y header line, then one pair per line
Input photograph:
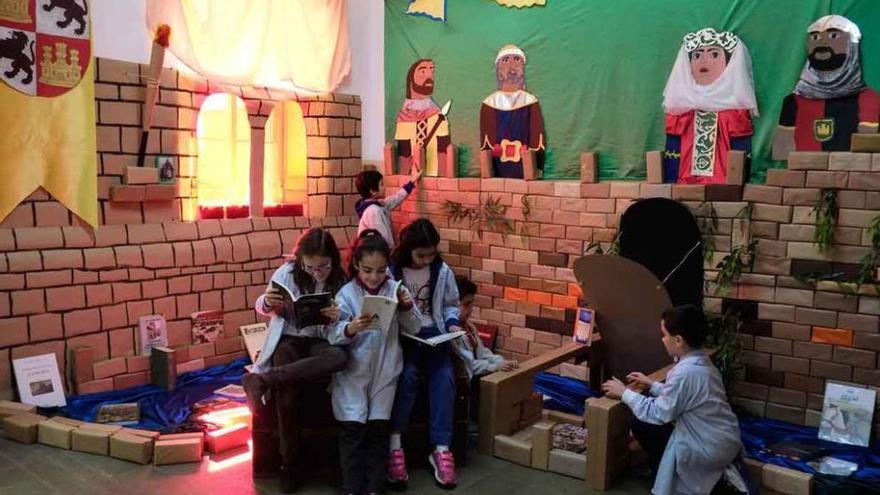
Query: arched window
x,y
224,140
284,159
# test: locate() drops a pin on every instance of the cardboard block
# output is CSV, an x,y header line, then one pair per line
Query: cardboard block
x,y
9,408
541,432
567,463
91,441
55,434
227,438
513,450
22,427
177,451
131,448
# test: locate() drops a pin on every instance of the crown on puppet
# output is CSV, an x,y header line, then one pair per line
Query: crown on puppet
x,y
709,37
510,50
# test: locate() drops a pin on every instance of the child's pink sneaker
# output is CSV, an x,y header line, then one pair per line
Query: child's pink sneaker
x,y
444,469
397,474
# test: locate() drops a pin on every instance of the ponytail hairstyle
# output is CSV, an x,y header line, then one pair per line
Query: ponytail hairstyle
x,y
419,233
317,242
367,242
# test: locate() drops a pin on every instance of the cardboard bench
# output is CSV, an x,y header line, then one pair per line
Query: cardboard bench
x,y
506,431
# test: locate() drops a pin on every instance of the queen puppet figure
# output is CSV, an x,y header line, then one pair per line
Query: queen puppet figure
x,y
709,103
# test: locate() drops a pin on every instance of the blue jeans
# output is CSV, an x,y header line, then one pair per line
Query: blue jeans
x,y
434,363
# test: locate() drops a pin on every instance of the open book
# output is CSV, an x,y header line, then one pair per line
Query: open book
x,y
381,308
437,339
305,310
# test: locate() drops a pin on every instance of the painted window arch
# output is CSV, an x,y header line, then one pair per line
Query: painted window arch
x,y
224,143
284,158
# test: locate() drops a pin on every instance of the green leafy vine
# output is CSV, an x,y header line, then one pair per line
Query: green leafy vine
x,y
826,218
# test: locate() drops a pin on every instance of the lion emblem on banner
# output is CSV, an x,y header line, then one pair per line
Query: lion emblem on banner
x,y
45,45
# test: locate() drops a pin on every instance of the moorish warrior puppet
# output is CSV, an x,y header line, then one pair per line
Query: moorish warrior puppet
x,y
709,102
830,102
510,118
418,116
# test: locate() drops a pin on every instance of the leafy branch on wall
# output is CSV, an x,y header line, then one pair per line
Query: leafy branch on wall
x,y
490,216
826,218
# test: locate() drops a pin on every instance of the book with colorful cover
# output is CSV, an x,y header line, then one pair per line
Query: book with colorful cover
x,y
207,326
125,414
254,337
847,414
232,391
585,321
153,333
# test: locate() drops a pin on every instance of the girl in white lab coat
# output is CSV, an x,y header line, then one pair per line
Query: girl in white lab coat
x,y
363,392
292,355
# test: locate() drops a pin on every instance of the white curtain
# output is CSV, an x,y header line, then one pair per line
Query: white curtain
x,y
259,42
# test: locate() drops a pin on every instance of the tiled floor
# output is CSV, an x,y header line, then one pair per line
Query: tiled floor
x,y
37,470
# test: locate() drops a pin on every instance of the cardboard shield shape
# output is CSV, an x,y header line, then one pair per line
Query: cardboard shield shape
x,y
629,301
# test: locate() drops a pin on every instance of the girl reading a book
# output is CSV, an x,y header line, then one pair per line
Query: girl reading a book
x,y
418,264
363,392
290,354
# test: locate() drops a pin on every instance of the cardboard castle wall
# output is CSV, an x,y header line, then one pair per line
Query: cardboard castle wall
x,y
64,286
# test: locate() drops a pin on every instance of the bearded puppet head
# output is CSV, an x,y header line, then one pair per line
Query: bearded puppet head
x,y
833,68
510,68
713,72
420,79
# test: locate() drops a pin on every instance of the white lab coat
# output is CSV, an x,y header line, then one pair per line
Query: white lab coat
x,y
279,326
377,215
706,438
364,389
479,361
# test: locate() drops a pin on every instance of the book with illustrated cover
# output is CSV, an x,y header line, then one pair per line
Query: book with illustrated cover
x,y
207,326
847,414
125,414
232,391
583,326
437,339
305,310
381,308
153,333
254,337
39,381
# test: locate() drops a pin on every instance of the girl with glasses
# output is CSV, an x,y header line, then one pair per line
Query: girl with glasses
x,y
293,355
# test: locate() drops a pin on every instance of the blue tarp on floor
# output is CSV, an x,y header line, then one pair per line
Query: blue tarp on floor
x,y
160,409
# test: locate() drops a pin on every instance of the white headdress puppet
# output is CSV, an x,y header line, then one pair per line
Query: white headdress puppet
x,y
734,88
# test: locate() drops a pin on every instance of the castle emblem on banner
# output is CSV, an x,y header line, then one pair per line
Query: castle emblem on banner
x,y
45,45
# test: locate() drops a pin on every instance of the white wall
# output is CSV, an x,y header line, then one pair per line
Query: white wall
x,y
119,30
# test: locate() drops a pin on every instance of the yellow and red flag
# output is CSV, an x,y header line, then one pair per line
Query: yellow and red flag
x,y
47,105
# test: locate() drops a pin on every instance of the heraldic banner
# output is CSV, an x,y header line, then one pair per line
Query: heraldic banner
x,y
47,105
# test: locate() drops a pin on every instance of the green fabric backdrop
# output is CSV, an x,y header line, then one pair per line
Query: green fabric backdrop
x,y
598,67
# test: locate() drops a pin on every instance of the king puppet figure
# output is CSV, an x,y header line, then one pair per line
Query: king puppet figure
x,y
830,102
510,119
709,102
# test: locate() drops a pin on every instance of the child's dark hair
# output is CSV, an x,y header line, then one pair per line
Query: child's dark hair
x,y
367,181
465,286
420,233
369,241
689,322
317,242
